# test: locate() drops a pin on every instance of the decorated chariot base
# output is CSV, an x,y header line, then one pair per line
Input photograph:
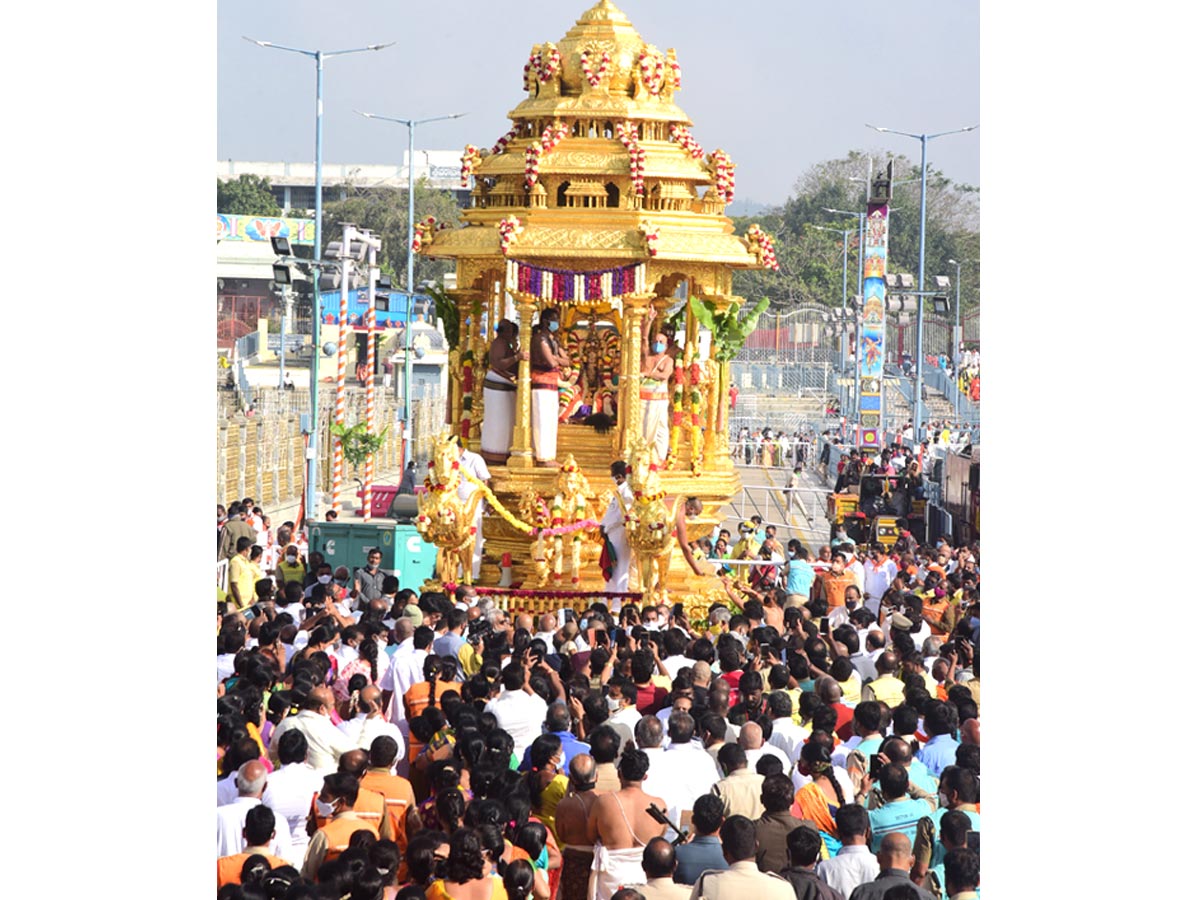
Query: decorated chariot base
x,y
599,203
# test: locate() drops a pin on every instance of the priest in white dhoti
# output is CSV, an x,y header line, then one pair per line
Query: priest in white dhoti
x,y
616,549
657,366
500,393
547,359
474,464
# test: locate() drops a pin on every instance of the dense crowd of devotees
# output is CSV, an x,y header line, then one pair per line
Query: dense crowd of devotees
x,y
819,739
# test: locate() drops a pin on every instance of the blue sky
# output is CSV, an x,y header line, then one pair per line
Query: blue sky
x,y
778,85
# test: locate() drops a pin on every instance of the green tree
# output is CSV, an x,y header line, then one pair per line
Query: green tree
x,y
385,212
246,195
810,261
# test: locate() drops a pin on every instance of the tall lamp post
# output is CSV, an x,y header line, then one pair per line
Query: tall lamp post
x,y
958,332
310,488
924,139
408,285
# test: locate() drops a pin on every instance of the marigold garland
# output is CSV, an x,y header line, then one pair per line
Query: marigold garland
x,y
516,523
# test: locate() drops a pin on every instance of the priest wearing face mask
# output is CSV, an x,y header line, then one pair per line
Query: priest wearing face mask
x,y
656,370
546,360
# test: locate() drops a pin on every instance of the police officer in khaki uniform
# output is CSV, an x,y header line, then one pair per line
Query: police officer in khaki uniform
x,y
742,879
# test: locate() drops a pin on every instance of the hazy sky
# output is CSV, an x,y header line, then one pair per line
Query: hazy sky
x,y
779,85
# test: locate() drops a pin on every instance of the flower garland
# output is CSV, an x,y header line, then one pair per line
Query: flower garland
x,y
697,430
501,144
651,65
550,65
509,228
723,173
627,135
681,135
676,75
676,413
766,245
533,66
551,136
650,233
594,78
468,388
427,226
641,496
516,523
470,159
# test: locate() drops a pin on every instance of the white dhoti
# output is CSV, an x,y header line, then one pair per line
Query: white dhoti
x,y
499,414
544,419
613,524
656,420
613,870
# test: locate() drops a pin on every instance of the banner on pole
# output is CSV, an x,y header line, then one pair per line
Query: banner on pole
x,y
873,331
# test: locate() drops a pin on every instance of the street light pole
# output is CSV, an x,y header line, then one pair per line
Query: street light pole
x,y
412,128
310,481
918,391
845,258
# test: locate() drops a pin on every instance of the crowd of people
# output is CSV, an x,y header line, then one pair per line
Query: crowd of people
x,y
815,737
774,448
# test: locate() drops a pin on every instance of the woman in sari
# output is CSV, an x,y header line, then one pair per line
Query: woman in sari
x,y
467,875
819,800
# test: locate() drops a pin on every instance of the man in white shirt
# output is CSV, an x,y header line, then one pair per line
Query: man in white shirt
x,y
547,629
325,743
662,779
290,791
750,739
406,668
785,733
369,723
613,525
231,818
518,710
473,464
854,864
878,573
693,768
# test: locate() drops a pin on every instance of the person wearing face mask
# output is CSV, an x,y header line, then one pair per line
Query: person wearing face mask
x,y
656,370
368,579
290,568
615,561
546,360
336,801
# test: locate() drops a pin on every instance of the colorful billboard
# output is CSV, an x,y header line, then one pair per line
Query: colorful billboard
x,y
263,228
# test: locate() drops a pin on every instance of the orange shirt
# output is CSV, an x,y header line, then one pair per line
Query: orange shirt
x,y
398,794
835,587
420,695
936,609
229,868
370,806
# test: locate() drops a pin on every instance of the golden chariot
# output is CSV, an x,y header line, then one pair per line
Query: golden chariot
x,y
598,201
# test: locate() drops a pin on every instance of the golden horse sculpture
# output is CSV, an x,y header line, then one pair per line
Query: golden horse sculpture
x,y
648,522
443,518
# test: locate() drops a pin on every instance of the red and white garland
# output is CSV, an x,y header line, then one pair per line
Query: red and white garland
x,y
766,245
503,142
723,174
650,233
627,135
551,137
652,64
470,159
549,65
594,78
676,74
509,228
425,227
681,135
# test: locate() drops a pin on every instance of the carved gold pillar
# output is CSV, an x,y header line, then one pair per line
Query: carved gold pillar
x,y
470,304
636,306
521,452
